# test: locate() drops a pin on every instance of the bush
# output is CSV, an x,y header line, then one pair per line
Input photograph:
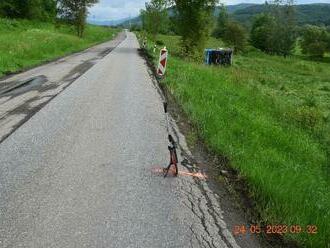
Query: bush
x,y
261,32
235,36
308,118
135,27
159,43
315,41
275,33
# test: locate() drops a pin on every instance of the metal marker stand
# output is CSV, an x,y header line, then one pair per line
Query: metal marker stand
x,y
171,148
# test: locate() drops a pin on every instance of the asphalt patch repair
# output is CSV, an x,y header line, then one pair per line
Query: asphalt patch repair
x,y
24,94
16,88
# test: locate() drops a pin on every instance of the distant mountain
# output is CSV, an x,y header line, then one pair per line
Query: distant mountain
x,y
316,13
107,22
233,8
313,14
133,21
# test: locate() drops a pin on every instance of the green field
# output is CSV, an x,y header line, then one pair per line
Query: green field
x,y
26,43
271,117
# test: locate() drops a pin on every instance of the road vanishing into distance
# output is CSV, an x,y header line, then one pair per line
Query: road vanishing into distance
x,y
83,143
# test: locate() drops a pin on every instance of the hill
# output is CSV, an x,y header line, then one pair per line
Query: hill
x,y
134,21
317,14
107,22
233,8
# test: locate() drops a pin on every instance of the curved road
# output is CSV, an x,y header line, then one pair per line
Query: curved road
x,y
84,170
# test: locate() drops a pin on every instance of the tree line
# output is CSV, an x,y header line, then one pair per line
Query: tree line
x,y
70,11
274,32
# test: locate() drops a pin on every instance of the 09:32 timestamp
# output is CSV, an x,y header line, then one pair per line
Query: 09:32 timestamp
x,y
274,229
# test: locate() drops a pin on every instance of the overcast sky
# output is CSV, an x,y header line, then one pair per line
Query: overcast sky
x,y
118,9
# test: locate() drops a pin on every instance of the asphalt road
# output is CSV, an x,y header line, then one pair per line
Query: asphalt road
x,y
23,94
84,170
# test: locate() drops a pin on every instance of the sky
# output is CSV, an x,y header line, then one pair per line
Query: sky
x,y
119,9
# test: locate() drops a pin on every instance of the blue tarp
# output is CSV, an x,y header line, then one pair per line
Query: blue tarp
x,y
218,56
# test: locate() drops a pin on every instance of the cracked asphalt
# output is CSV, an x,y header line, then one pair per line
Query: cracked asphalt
x,y
41,84
84,171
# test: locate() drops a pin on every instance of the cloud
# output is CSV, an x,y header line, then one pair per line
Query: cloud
x,y
118,9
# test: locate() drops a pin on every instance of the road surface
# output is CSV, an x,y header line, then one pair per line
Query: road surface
x,y
41,84
84,170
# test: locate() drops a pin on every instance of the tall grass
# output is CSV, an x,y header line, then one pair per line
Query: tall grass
x,y
26,43
270,116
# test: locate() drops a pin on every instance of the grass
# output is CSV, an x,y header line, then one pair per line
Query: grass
x,y
270,116
26,43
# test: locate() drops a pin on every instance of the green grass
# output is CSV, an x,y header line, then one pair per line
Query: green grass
x,y
270,116
26,43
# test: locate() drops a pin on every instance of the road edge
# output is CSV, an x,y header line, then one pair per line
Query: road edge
x,y
236,186
38,108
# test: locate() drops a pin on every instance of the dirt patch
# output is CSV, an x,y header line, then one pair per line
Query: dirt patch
x,y
240,208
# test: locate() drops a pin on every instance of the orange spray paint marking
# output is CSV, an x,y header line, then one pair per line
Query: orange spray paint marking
x,y
160,171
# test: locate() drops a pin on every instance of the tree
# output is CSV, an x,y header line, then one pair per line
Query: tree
x,y
283,35
155,18
8,8
235,36
75,11
50,9
261,32
315,41
29,9
222,21
194,23
232,33
275,32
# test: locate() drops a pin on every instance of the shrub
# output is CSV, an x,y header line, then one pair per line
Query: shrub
x,y
159,42
235,36
261,32
315,41
275,32
308,118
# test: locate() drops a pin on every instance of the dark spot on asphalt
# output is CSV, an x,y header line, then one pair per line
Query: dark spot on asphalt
x,y
105,52
26,110
47,87
16,88
77,71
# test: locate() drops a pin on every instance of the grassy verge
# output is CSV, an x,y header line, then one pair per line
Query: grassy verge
x,y
27,43
270,116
